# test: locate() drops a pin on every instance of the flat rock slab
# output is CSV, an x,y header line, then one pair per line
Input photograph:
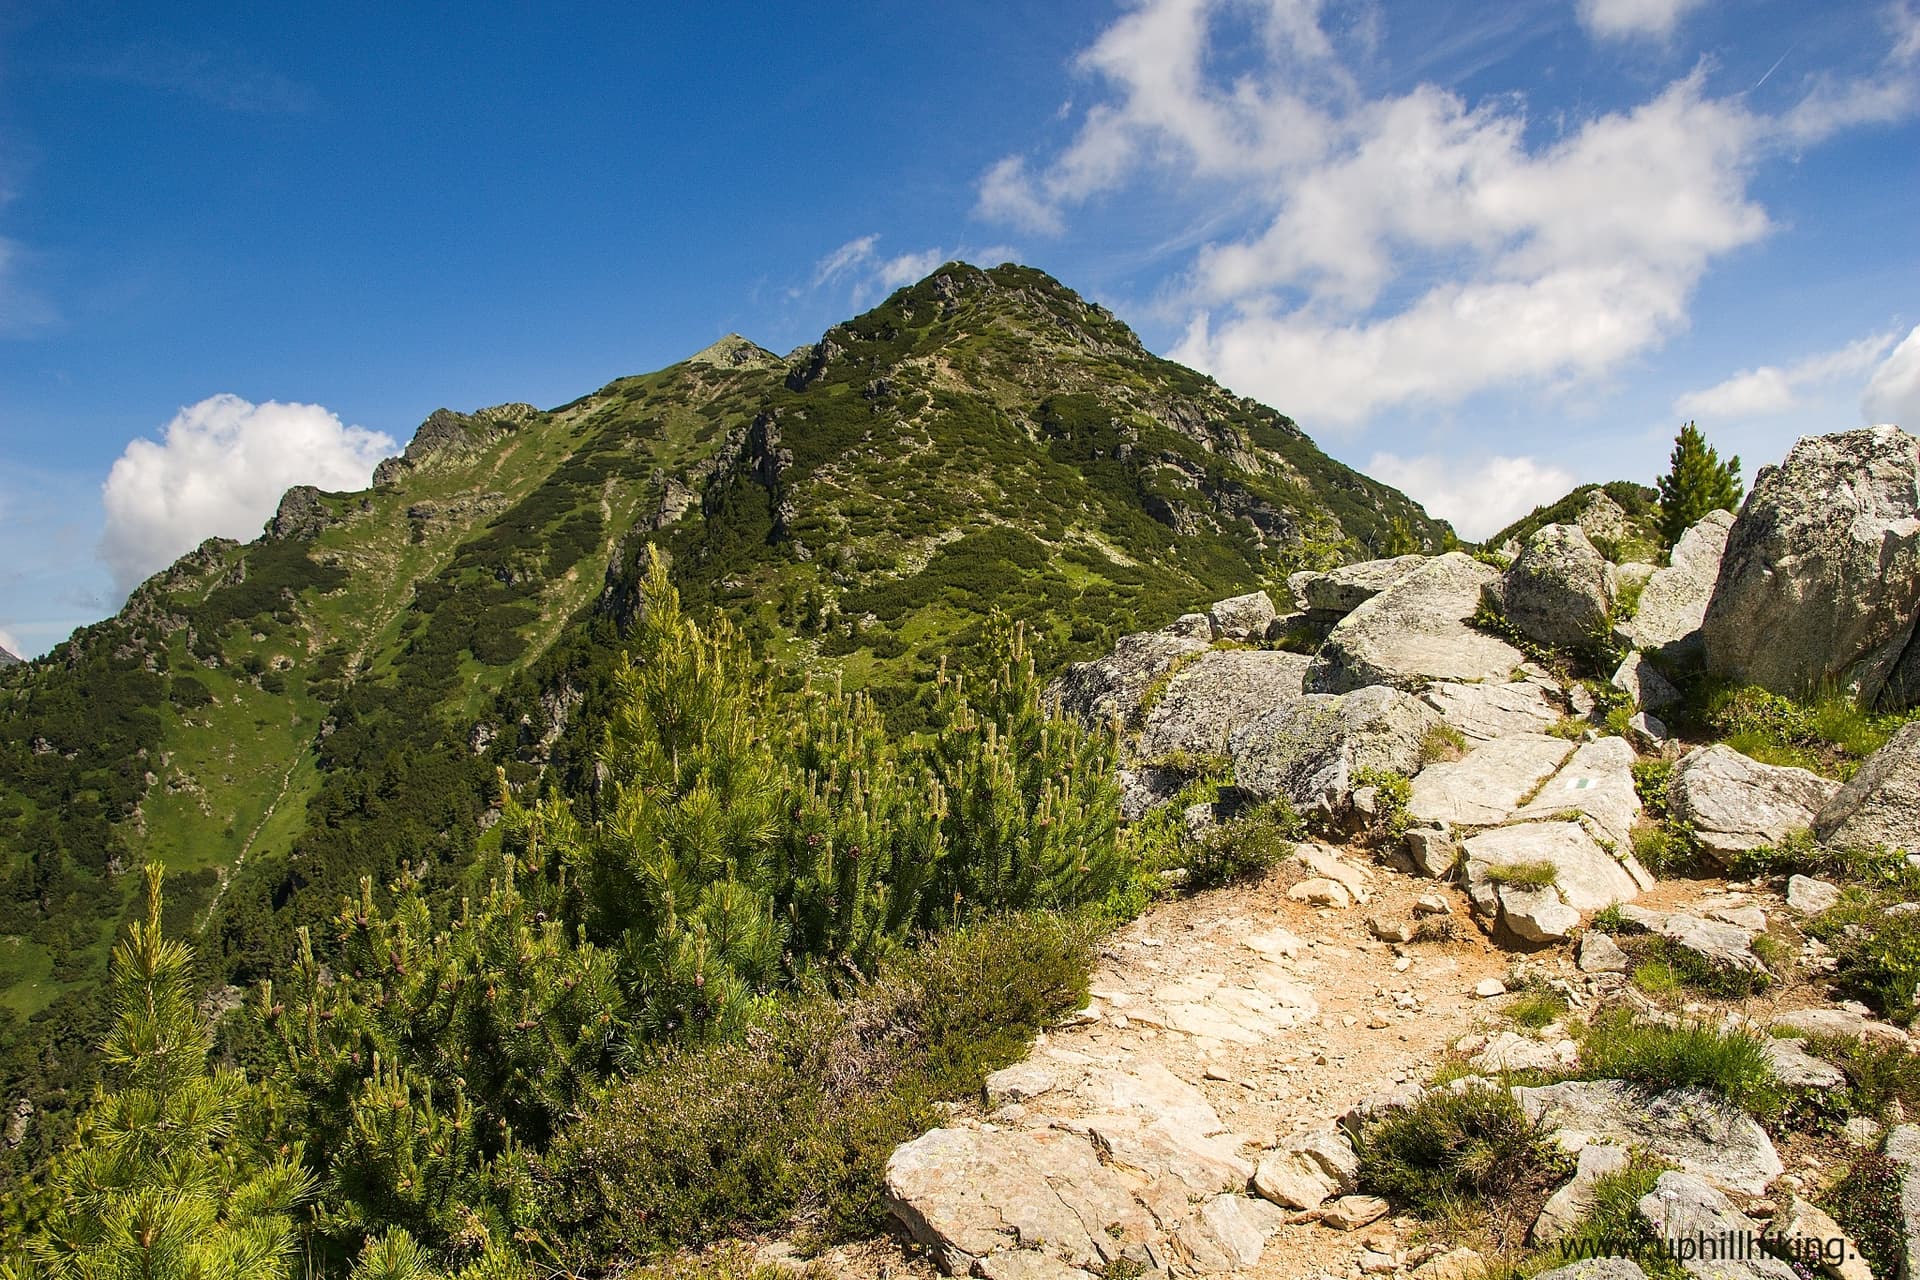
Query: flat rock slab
x,y
1596,782
1706,1234
1735,803
966,1193
1691,1128
1418,630
1489,784
1838,1022
1722,945
1485,711
1587,877
1214,694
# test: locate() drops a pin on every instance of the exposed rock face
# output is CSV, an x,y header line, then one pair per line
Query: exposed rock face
x,y
1736,803
1112,688
1332,595
1242,618
1483,711
1559,591
1596,783
1721,944
1215,694
1309,750
1674,601
302,513
1691,1128
1839,1022
1706,1233
1881,804
8,659
1568,1207
446,434
1586,878
1489,783
1416,631
1603,518
1639,680
1821,578
1304,1172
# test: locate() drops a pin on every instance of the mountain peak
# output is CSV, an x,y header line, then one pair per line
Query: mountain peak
x,y
736,352
8,658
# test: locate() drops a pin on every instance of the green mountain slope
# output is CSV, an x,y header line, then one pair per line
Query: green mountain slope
x,y
274,720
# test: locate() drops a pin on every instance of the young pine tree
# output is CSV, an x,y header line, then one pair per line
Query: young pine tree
x,y
1696,482
158,1183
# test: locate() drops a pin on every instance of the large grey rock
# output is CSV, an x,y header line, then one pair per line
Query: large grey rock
x,y
1820,583
967,1193
1586,876
1810,896
1735,803
1242,617
1214,694
1567,1208
1807,1232
1672,604
1838,1022
1691,1128
1112,688
1306,1171
1145,787
1416,631
1489,783
1798,1069
1309,750
1724,946
1559,591
1597,782
1483,711
1706,1234
1880,805
1642,682
1338,592
1596,1269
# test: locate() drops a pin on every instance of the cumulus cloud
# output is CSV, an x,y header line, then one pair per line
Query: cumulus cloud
x,y
219,470
1410,247
1774,389
1478,495
1632,19
1893,393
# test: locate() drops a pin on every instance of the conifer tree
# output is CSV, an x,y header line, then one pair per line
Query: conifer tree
x,y
1696,482
159,1182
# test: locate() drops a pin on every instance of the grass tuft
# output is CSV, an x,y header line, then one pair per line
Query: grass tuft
x,y
1524,875
1656,1058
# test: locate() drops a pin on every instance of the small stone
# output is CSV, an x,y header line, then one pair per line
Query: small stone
x,y
1601,954
1350,1213
1390,930
1321,892
1431,904
1810,896
1432,850
1377,1264
1648,730
1488,988
1454,1264
1378,1021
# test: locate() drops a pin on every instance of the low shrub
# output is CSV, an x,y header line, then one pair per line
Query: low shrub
x,y
1246,846
1395,793
1474,1145
795,1119
1879,1075
1866,1204
1656,1058
1876,952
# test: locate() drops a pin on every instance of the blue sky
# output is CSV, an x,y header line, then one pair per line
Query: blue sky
x,y
1483,251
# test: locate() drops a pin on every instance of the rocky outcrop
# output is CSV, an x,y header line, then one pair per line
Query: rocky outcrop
x,y
1207,699
1706,1233
302,513
1243,618
1584,878
1485,711
1880,805
1558,592
1642,682
1821,579
1416,631
449,436
1310,749
1719,944
1674,601
1112,689
1489,783
9,659
1691,1128
1735,803
1330,596
1596,784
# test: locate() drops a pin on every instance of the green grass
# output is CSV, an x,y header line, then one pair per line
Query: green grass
x,y
1658,978
1866,1202
1876,953
1828,732
1524,875
1656,1058
1536,1009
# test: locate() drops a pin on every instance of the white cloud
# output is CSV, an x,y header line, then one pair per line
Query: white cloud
x,y
1772,389
10,644
907,268
854,253
1478,495
219,470
1409,248
1893,393
1632,19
